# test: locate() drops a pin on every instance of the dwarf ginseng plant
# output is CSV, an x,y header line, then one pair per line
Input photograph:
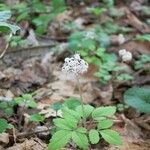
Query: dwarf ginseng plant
x,y
83,125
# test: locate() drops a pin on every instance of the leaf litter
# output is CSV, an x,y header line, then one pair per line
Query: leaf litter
x,y
41,73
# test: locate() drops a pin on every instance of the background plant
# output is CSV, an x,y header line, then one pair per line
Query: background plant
x,y
143,59
144,37
25,101
4,125
7,107
122,107
38,14
92,44
138,98
17,41
5,26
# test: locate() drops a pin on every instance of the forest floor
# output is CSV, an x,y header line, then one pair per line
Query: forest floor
x,y
37,69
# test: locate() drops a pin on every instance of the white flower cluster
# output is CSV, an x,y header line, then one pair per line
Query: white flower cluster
x,y
121,38
125,55
75,65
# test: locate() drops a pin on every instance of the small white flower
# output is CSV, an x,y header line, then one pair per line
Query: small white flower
x,y
122,52
75,65
77,56
127,56
121,38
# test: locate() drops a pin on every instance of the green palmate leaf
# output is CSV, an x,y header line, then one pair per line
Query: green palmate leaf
x,y
80,139
145,37
41,22
4,7
94,136
124,76
58,6
22,16
67,124
97,11
76,36
81,130
104,124
72,103
71,114
104,39
103,112
38,7
27,96
26,100
9,111
18,100
87,110
59,139
3,105
112,137
7,107
138,98
3,125
88,44
37,118
31,103
5,15
42,19
143,59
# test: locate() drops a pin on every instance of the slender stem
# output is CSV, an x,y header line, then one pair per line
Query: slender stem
x,y
21,115
81,97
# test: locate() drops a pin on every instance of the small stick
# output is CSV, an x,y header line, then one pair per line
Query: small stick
x,y
25,134
6,47
14,135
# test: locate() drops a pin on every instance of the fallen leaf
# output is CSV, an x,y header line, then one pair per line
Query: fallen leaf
x,y
4,138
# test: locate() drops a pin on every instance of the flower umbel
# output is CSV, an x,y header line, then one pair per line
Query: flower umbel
x,y
125,55
75,65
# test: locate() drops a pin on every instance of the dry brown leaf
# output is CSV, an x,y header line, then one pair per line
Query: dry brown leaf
x,y
132,145
32,144
135,22
131,129
137,46
4,138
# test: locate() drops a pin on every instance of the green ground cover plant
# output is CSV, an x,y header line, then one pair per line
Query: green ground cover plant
x,y
83,124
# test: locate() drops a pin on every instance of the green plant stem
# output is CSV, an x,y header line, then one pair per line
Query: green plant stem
x,y
21,116
81,97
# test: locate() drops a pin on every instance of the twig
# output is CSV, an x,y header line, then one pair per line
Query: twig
x,y
25,134
142,124
14,135
6,47
21,115
32,48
